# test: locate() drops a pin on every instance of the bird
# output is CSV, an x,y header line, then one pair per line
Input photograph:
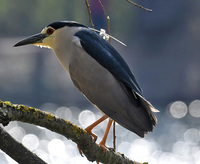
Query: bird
x,y
100,73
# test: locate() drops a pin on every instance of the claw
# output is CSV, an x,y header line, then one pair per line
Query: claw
x,y
103,146
103,141
89,130
94,138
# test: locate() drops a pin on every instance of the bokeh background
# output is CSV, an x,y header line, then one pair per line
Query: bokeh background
x,y
162,51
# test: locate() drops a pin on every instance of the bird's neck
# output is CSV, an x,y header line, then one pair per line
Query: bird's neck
x,y
64,50
64,56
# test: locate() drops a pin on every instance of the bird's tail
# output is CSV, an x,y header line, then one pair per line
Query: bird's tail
x,y
149,108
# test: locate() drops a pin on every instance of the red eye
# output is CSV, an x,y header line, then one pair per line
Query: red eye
x,y
50,31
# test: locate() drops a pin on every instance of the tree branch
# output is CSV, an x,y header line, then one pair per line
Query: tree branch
x,y
89,13
135,4
15,149
93,152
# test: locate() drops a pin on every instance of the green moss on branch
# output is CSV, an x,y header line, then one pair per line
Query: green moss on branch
x,y
11,112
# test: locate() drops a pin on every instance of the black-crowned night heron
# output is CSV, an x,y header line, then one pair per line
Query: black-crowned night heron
x,y
100,73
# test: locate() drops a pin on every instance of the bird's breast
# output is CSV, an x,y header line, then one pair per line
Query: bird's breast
x,y
88,75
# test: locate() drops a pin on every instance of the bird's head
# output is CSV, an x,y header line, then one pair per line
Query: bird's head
x,y
52,34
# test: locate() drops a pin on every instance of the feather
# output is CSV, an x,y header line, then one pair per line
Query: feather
x,y
108,57
120,96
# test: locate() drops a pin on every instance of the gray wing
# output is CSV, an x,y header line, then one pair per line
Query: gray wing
x,y
108,57
139,117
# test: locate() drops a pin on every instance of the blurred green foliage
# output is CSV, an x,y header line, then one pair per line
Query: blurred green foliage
x,y
34,15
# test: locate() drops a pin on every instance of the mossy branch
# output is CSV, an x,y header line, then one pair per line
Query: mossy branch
x,y
16,150
93,152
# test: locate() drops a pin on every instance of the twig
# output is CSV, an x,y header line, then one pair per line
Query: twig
x,y
109,32
93,152
107,19
140,6
114,136
89,13
104,34
16,150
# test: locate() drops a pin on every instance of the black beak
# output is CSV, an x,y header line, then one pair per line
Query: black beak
x,y
37,38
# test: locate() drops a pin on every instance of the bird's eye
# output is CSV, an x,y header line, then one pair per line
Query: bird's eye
x,y
50,31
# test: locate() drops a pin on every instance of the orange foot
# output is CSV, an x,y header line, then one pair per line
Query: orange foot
x,y
89,130
94,138
103,141
103,146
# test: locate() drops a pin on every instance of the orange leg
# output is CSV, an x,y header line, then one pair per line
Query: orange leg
x,y
103,141
90,127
